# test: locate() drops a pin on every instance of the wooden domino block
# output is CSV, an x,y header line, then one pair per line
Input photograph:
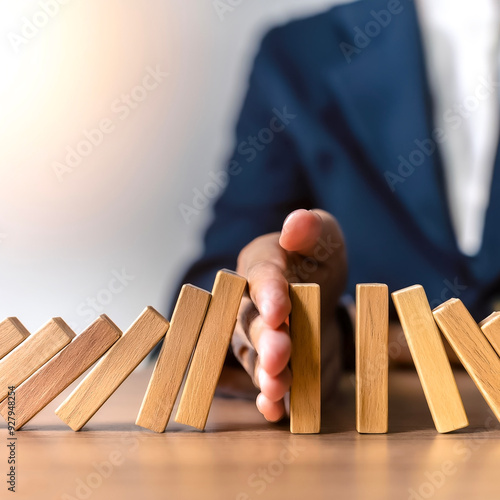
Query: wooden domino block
x,y
305,361
33,353
491,329
372,358
431,361
173,359
12,333
213,343
472,348
110,372
62,370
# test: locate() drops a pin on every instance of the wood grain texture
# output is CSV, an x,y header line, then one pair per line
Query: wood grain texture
x,y
372,358
33,353
109,373
431,361
472,349
62,370
12,333
305,360
239,444
213,343
173,360
491,329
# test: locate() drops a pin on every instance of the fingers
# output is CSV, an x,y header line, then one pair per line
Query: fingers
x,y
309,248
264,262
275,388
271,410
313,233
273,346
301,231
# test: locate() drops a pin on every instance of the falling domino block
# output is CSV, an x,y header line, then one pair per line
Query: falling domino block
x,y
116,365
12,333
305,361
213,343
34,352
472,348
431,361
372,358
491,330
173,359
62,370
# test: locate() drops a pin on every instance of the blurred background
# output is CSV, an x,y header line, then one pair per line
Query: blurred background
x,y
112,114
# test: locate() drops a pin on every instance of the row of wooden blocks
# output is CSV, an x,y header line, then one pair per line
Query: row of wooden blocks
x,y
476,346
41,366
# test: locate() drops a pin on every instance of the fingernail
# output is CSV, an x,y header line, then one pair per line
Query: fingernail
x,y
257,402
265,308
287,220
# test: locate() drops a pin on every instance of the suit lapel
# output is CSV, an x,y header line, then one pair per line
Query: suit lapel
x,y
384,96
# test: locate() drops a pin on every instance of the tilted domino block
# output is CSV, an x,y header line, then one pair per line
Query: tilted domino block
x,y
173,360
431,361
33,353
213,343
472,348
110,372
12,333
491,329
62,370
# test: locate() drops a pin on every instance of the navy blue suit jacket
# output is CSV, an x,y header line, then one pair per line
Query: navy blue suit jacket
x,y
338,115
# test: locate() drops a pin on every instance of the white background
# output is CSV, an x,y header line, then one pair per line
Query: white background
x,y
61,239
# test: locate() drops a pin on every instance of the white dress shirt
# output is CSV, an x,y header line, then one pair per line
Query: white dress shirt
x,y
461,46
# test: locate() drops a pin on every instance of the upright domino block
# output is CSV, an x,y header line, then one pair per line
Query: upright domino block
x,y
305,361
211,350
119,362
491,329
173,359
12,333
34,352
472,348
431,361
62,370
372,358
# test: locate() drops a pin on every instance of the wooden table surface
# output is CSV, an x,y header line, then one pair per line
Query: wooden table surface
x,y
240,456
